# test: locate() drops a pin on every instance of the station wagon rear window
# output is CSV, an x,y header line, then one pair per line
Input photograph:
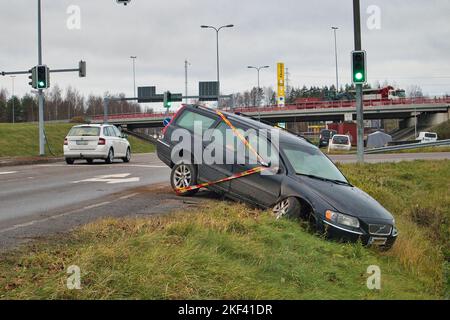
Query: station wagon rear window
x,y
187,119
84,132
340,140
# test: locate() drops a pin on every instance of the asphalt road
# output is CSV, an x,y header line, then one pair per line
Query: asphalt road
x,y
37,200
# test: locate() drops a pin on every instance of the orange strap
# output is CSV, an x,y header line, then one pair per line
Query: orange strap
x,y
236,175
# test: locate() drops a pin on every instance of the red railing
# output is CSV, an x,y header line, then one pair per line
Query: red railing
x,y
296,106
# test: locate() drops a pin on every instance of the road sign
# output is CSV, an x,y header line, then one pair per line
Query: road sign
x,y
280,84
207,90
166,121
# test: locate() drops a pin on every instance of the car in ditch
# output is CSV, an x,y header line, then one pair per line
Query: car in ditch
x,y
304,181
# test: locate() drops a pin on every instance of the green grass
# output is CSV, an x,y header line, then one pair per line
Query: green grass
x,y
230,251
442,130
22,140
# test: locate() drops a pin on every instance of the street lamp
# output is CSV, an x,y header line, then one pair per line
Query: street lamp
x,y
217,44
258,69
134,74
336,58
12,97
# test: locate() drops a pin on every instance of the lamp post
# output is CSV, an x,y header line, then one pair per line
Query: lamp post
x,y
217,45
336,58
258,69
134,74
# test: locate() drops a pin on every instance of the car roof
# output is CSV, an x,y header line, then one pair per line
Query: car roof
x,y
285,136
340,135
91,125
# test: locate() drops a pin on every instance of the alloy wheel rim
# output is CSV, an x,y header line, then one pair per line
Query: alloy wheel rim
x,y
281,208
182,176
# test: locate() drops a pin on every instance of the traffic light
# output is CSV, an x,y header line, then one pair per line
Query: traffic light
x,y
42,77
82,69
33,78
167,99
359,69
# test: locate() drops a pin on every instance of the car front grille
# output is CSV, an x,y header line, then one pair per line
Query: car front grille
x,y
380,229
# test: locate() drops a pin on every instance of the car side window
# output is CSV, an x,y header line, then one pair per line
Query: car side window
x,y
105,131
117,132
108,131
188,118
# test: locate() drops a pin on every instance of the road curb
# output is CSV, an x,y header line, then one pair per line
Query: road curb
x,y
10,162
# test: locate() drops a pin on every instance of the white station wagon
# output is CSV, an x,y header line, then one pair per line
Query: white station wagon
x,y
96,141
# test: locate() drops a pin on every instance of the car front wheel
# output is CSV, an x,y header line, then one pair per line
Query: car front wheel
x,y
289,208
69,161
184,175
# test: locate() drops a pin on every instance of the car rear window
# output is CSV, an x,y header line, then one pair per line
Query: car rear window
x,y
84,131
430,135
340,140
187,118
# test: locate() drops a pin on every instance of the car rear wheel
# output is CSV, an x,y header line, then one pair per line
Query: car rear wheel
x,y
90,161
127,157
110,157
287,208
184,175
69,161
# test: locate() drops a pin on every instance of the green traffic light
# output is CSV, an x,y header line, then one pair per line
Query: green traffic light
x,y
41,84
358,76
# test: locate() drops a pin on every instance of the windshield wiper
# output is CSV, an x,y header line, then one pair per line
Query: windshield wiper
x,y
324,179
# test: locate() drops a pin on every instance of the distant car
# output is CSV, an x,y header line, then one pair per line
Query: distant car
x,y
340,142
96,141
325,136
427,137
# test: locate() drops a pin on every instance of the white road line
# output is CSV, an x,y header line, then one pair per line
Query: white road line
x,y
30,223
129,196
7,172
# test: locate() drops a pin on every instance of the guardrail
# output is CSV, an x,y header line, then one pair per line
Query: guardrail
x,y
409,146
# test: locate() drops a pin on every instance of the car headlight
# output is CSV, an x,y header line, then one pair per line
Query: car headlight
x,y
341,218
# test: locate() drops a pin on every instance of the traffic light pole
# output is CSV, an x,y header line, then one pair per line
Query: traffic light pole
x,y
359,91
41,92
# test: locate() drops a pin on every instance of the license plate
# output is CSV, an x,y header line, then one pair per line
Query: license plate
x,y
82,143
377,241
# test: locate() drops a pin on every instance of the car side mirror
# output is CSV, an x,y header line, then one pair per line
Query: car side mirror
x,y
124,135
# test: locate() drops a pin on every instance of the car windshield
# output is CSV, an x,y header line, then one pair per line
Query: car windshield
x,y
340,140
84,131
311,161
430,135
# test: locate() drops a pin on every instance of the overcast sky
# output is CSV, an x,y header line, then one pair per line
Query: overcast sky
x,y
412,45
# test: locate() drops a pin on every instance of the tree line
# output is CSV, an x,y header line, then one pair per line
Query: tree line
x,y
60,105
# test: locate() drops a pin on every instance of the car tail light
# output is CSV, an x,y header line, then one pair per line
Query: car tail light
x,y
66,142
101,142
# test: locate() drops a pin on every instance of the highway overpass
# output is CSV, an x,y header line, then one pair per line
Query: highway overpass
x,y
306,112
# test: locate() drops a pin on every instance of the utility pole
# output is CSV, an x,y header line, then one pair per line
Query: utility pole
x,y
336,58
186,64
12,97
359,93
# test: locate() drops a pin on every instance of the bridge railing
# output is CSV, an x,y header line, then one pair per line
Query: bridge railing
x,y
341,104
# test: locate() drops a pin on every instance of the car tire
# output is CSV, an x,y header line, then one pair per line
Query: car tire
x,y
184,175
69,161
110,158
90,161
127,157
287,208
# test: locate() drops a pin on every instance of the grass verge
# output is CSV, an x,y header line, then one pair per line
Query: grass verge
x,y
22,139
230,251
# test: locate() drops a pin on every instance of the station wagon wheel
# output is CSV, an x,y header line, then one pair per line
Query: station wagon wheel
x,y
184,175
127,157
288,207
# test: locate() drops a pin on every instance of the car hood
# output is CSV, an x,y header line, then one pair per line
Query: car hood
x,y
346,199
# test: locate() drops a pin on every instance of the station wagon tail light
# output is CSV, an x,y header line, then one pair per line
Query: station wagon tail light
x,y
342,219
101,142
66,142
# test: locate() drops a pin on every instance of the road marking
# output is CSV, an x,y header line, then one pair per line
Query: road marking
x,y
111,179
30,223
7,172
129,196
